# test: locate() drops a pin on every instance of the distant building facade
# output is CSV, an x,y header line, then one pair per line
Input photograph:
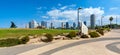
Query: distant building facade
x,y
74,25
51,25
62,25
92,21
33,24
67,25
44,24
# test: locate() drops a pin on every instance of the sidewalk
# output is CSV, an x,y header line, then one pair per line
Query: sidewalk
x,y
97,46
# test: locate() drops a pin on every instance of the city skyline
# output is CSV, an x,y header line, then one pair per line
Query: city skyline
x,y
23,11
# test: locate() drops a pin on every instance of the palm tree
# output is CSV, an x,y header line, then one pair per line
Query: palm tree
x,y
111,19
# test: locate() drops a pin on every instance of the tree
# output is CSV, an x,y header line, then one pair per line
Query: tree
x,y
13,25
111,19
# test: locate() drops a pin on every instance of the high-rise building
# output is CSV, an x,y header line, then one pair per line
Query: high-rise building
x,y
51,25
67,25
74,25
62,25
44,24
33,24
92,21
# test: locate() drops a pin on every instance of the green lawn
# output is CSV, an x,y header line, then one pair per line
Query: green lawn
x,y
5,33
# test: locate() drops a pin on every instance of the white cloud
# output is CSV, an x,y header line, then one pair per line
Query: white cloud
x,y
64,7
71,15
97,11
45,17
63,15
114,8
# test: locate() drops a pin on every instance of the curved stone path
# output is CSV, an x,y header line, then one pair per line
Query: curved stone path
x,y
113,47
50,52
20,48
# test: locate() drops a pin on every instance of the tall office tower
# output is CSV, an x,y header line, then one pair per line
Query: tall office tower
x,y
74,25
30,25
51,25
62,25
92,20
67,25
44,24
33,24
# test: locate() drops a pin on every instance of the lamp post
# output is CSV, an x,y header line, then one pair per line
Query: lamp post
x,y
116,22
78,21
102,21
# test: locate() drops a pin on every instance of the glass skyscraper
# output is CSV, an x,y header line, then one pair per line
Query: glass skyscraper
x,y
92,21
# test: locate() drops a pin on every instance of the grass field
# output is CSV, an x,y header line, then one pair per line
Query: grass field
x,y
5,33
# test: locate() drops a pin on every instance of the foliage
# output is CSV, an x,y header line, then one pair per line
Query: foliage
x,y
24,39
84,36
49,38
94,34
6,42
6,33
111,18
101,31
71,35
9,42
108,29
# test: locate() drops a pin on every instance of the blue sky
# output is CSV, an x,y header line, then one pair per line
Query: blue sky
x,y
23,11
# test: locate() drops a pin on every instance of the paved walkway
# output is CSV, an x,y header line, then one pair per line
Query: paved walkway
x,y
21,48
105,45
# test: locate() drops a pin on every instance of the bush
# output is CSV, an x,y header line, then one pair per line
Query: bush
x,y
101,31
48,38
108,29
24,39
84,36
9,42
94,34
71,35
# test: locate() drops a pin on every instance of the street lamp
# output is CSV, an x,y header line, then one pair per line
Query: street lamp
x,y
78,21
116,21
102,21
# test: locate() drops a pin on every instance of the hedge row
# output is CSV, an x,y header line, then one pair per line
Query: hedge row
x,y
13,41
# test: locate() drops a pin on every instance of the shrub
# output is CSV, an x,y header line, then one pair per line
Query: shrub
x,y
24,39
101,31
94,34
108,29
9,42
84,36
48,38
71,35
